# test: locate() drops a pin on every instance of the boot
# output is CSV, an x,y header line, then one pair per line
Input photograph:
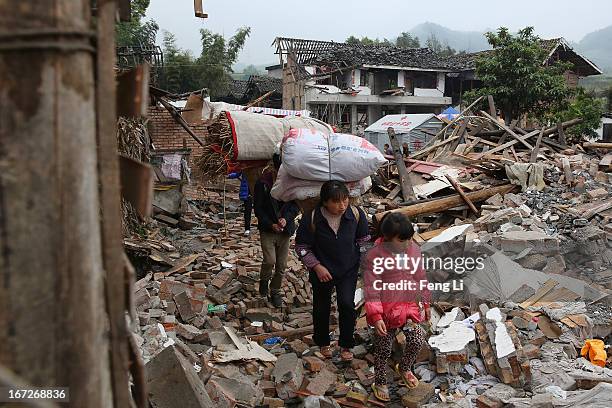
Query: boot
x,y
276,300
263,288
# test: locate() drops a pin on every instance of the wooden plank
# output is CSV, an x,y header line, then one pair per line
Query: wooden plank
x,y
548,286
396,190
427,235
536,149
459,190
510,131
133,92
405,183
137,185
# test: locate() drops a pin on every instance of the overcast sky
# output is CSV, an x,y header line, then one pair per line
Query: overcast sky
x,y
337,19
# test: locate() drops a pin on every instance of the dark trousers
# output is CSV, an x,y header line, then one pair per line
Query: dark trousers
x,y
248,209
321,308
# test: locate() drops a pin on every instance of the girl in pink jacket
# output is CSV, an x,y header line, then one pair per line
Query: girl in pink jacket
x,y
397,297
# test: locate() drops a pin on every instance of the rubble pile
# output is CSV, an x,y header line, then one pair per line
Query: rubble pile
x,y
513,335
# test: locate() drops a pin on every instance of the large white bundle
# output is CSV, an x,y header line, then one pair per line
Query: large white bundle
x,y
306,154
288,188
255,135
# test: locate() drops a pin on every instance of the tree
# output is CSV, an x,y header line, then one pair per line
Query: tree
x,y
212,69
352,40
583,105
180,68
250,70
515,75
217,58
609,99
438,47
406,40
137,32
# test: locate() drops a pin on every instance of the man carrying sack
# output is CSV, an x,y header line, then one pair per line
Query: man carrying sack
x,y
276,224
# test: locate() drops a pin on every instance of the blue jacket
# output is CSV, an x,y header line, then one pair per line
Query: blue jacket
x,y
244,185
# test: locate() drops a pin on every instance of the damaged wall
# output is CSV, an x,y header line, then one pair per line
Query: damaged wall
x,y
166,133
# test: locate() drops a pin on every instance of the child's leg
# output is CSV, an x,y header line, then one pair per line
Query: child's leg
x,y
382,353
415,340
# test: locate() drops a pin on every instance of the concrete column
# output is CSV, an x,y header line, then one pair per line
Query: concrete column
x,y
402,109
354,119
374,113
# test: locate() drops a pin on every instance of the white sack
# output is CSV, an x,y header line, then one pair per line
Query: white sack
x,y
306,155
255,135
288,188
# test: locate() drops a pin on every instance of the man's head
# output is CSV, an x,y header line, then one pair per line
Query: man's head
x,y
386,146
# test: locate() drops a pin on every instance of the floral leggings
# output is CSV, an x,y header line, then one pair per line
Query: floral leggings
x,y
415,340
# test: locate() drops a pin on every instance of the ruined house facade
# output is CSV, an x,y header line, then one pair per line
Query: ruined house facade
x,y
352,86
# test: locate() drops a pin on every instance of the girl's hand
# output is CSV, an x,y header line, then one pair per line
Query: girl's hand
x,y
380,327
322,273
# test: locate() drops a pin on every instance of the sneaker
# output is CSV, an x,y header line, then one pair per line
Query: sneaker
x,y
276,299
263,288
247,233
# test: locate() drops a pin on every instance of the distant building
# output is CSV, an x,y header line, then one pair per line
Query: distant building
x,y
353,86
241,92
557,50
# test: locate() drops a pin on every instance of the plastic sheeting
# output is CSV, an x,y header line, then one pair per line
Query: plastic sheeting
x,y
526,175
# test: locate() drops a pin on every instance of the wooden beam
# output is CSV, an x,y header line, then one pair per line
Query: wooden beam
x,y
110,192
465,198
179,119
434,147
492,110
198,9
607,146
561,133
506,145
137,185
407,191
258,100
507,129
441,132
125,10
536,149
446,203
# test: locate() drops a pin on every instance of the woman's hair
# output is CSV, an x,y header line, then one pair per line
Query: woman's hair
x,y
333,190
395,225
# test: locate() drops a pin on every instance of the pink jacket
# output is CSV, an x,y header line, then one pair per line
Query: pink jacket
x,y
394,307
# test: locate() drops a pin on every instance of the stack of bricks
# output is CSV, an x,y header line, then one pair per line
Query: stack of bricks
x,y
167,134
513,369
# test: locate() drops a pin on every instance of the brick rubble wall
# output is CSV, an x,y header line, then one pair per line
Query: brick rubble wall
x,y
167,134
